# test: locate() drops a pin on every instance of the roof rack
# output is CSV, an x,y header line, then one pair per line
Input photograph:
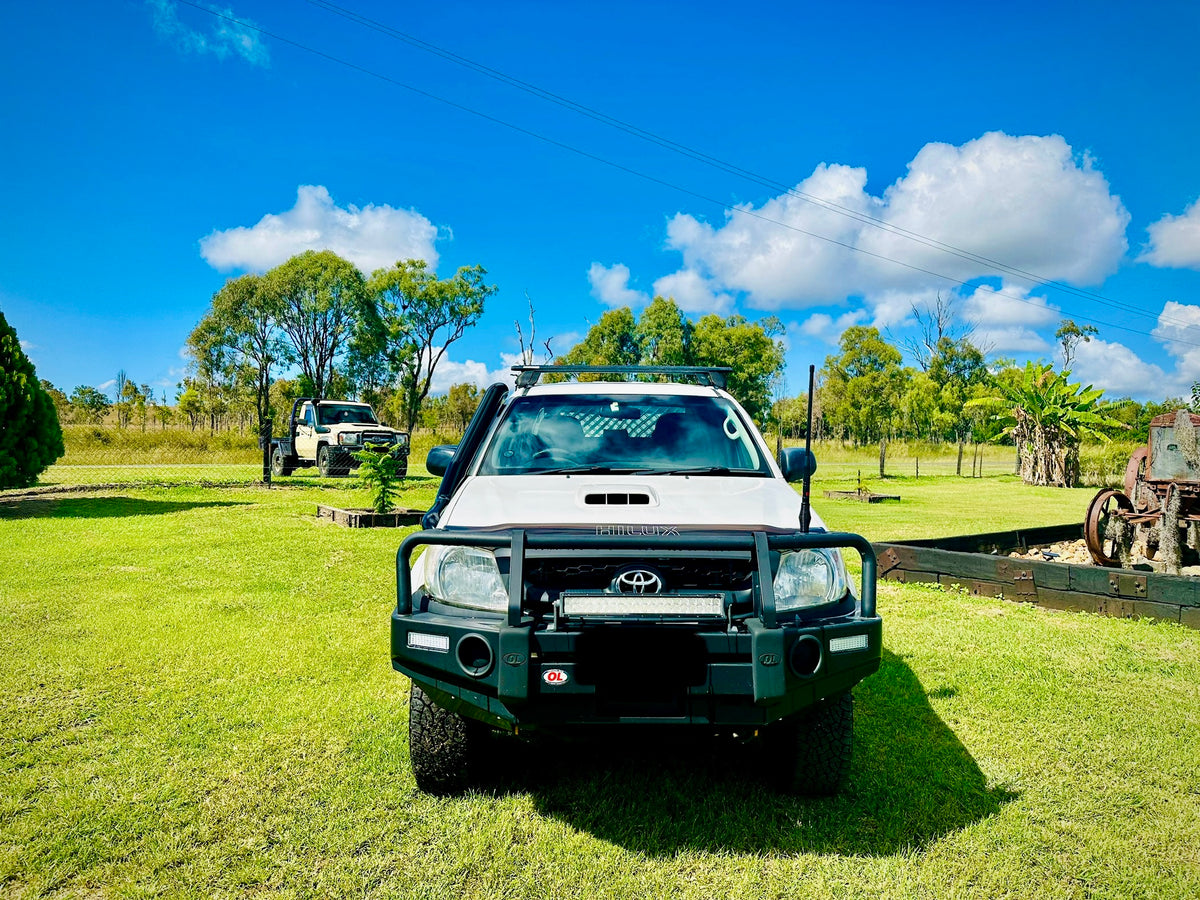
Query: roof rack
x,y
714,376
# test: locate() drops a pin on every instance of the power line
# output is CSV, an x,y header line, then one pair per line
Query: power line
x,y
651,178
731,168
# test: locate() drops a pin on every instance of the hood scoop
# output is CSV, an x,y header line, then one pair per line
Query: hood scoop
x,y
616,498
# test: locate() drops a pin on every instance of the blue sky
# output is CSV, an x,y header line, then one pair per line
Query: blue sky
x,y
155,149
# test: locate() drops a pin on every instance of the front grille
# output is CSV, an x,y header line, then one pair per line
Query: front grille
x,y
679,573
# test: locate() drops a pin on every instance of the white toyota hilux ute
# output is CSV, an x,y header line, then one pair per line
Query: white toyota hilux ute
x,y
628,554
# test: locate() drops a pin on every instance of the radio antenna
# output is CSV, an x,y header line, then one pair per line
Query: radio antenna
x,y
805,505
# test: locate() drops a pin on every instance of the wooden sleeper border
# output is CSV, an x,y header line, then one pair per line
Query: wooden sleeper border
x,y
1123,593
366,518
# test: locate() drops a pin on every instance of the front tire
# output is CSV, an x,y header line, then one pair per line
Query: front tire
x,y
279,466
443,746
325,461
812,748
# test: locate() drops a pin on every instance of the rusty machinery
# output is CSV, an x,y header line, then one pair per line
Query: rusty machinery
x,y
1160,504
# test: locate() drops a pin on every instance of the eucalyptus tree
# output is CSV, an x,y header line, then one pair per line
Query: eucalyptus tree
x,y
213,365
662,335
863,385
411,318
245,320
752,350
318,298
612,341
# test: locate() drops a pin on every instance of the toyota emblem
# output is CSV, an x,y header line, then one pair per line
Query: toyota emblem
x,y
639,581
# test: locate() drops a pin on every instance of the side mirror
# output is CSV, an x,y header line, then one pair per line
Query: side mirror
x,y
798,463
439,458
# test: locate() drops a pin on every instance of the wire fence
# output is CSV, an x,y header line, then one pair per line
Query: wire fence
x,y
106,455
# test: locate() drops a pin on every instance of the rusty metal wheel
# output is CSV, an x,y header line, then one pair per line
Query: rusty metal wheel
x,y
1135,472
1104,506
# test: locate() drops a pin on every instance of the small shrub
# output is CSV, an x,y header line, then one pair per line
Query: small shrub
x,y
380,471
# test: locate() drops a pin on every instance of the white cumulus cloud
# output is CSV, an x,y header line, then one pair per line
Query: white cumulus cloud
x,y
449,373
769,251
610,285
1026,202
1179,329
372,237
692,292
223,37
1175,240
1122,373
826,328
1006,320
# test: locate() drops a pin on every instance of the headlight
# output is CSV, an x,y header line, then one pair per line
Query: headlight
x,y
809,578
464,576
349,437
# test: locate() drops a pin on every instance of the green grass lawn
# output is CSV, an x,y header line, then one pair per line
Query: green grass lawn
x,y
196,700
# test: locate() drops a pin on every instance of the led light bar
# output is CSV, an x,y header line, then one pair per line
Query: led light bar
x,y
686,606
848,643
420,641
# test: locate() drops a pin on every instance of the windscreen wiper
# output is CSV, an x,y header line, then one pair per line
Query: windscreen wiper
x,y
686,470
584,470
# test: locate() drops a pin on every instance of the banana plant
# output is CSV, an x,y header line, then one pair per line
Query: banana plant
x,y
1048,416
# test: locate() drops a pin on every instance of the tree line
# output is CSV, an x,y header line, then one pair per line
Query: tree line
x,y
338,333
866,394
663,336
379,337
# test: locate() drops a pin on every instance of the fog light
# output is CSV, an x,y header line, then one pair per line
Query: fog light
x,y
419,641
850,642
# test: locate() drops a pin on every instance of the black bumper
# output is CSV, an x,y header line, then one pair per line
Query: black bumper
x,y
515,672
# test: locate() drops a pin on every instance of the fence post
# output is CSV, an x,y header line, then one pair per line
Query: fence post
x,y
264,438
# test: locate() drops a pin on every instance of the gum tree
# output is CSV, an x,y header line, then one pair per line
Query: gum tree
x,y
319,297
411,318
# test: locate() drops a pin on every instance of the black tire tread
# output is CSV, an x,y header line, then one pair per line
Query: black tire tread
x,y
818,743
279,466
442,746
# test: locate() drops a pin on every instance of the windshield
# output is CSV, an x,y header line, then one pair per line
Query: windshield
x,y
345,414
623,434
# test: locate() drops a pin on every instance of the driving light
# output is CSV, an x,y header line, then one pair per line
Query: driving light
x,y
419,641
809,578
850,642
465,576
616,605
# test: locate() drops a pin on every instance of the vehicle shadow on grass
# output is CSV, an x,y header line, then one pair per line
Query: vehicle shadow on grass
x,y
99,507
912,781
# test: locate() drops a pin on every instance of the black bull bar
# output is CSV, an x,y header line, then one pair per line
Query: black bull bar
x,y
519,541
